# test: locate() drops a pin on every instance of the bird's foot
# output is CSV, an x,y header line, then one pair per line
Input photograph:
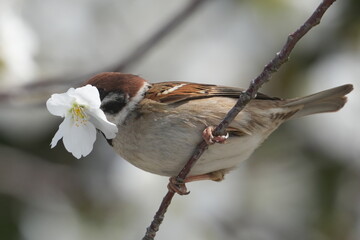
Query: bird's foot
x,y
178,186
211,139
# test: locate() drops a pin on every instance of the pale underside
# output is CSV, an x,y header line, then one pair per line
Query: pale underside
x,y
160,138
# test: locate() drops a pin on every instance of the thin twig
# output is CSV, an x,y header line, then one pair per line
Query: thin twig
x,y
244,98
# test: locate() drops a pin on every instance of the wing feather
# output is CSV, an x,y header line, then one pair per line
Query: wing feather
x,y
173,92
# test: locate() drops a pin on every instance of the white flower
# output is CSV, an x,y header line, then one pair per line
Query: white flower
x,y
81,109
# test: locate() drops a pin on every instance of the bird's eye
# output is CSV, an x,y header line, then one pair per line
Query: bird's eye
x,y
114,102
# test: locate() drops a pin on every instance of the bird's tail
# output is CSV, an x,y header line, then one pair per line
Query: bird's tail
x,y
329,100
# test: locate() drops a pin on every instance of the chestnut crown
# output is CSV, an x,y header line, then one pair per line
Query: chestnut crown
x,y
117,89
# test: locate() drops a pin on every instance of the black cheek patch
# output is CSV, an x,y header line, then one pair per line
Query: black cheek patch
x,y
114,102
113,107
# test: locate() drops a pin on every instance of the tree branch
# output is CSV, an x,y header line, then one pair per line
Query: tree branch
x,y
244,98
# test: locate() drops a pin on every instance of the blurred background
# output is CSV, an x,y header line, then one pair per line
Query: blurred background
x,y
303,183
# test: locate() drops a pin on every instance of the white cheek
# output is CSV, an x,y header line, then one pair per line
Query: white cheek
x,y
120,117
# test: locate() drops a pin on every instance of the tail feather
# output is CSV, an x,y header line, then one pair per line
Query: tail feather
x,y
330,100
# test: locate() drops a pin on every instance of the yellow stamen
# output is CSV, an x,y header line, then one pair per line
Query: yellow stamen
x,y
78,114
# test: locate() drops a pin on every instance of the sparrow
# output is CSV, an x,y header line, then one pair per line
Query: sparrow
x,y
160,124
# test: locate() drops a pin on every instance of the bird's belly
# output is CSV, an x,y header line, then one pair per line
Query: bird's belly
x,y
162,141
166,155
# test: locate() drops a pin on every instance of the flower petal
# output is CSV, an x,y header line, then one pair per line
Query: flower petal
x,y
79,140
58,135
78,129
98,118
59,104
88,96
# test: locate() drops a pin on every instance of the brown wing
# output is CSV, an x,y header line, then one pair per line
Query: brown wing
x,y
173,92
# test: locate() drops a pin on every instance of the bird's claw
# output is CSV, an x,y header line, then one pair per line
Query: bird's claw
x,y
178,186
211,139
